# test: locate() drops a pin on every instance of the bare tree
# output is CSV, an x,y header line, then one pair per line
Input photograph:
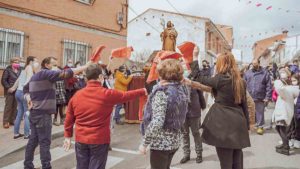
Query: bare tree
x,y
142,56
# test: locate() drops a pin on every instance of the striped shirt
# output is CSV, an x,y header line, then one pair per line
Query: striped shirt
x,y
41,89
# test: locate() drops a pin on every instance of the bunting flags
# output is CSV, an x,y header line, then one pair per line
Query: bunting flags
x,y
259,4
271,31
269,7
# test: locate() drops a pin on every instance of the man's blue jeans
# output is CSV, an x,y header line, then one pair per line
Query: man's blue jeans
x,y
91,156
117,115
41,126
260,113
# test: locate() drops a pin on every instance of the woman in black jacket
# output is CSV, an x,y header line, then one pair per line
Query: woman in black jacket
x,y
227,123
9,77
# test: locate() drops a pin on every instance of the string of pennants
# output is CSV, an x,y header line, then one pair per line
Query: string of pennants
x,y
267,32
250,46
270,7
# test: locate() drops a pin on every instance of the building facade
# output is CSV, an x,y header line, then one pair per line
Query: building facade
x,y
65,29
261,49
287,50
144,33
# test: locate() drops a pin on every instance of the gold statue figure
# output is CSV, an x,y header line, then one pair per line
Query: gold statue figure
x,y
168,37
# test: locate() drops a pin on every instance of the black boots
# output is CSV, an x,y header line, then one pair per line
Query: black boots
x,y
185,159
55,122
199,159
281,149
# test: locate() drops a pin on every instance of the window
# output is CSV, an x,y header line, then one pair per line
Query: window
x,y
217,45
209,41
77,51
11,45
89,2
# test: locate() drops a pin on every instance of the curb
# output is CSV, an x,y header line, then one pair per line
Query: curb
x,y
54,136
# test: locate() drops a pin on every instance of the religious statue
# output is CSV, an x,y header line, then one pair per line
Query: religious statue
x,y
168,37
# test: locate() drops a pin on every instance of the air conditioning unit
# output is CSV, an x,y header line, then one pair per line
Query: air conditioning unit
x,y
120,18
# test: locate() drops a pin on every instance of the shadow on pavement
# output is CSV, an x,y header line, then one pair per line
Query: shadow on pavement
x,y
295,151
247,154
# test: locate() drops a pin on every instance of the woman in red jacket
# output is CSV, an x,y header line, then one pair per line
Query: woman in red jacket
x,y
90,109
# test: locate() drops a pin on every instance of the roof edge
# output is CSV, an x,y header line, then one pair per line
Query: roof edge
x,y
170,12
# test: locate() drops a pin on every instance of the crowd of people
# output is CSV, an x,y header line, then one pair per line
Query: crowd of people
x,y
19,73
233,100
279,85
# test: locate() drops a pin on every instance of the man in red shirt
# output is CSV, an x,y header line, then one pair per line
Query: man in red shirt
x,y
90,109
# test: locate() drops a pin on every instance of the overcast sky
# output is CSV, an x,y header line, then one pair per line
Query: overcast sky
x,y
246,19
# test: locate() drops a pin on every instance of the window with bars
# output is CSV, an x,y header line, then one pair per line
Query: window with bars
x,y
77,51
11,45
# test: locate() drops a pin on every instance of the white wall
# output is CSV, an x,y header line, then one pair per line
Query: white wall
x,y
237,53
137,30
292,46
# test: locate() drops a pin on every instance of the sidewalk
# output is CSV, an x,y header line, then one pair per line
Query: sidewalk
x,y
8,144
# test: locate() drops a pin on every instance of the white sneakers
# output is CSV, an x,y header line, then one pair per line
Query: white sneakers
x,y
291,143
297,144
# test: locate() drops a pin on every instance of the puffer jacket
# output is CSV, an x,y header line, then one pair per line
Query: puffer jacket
x,y
297,108
122,82
197,102
284,108
9,77
259,84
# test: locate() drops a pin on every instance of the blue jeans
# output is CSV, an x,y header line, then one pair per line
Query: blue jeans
x,y
22,108
41,126
117,115
91,156
260,113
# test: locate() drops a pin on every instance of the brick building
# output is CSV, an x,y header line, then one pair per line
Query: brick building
x,y
66,29
261,48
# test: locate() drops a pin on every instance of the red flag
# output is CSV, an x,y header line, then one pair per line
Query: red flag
x,y
259,4
187,50
124,52
153,75
268,8
96,55
163,55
